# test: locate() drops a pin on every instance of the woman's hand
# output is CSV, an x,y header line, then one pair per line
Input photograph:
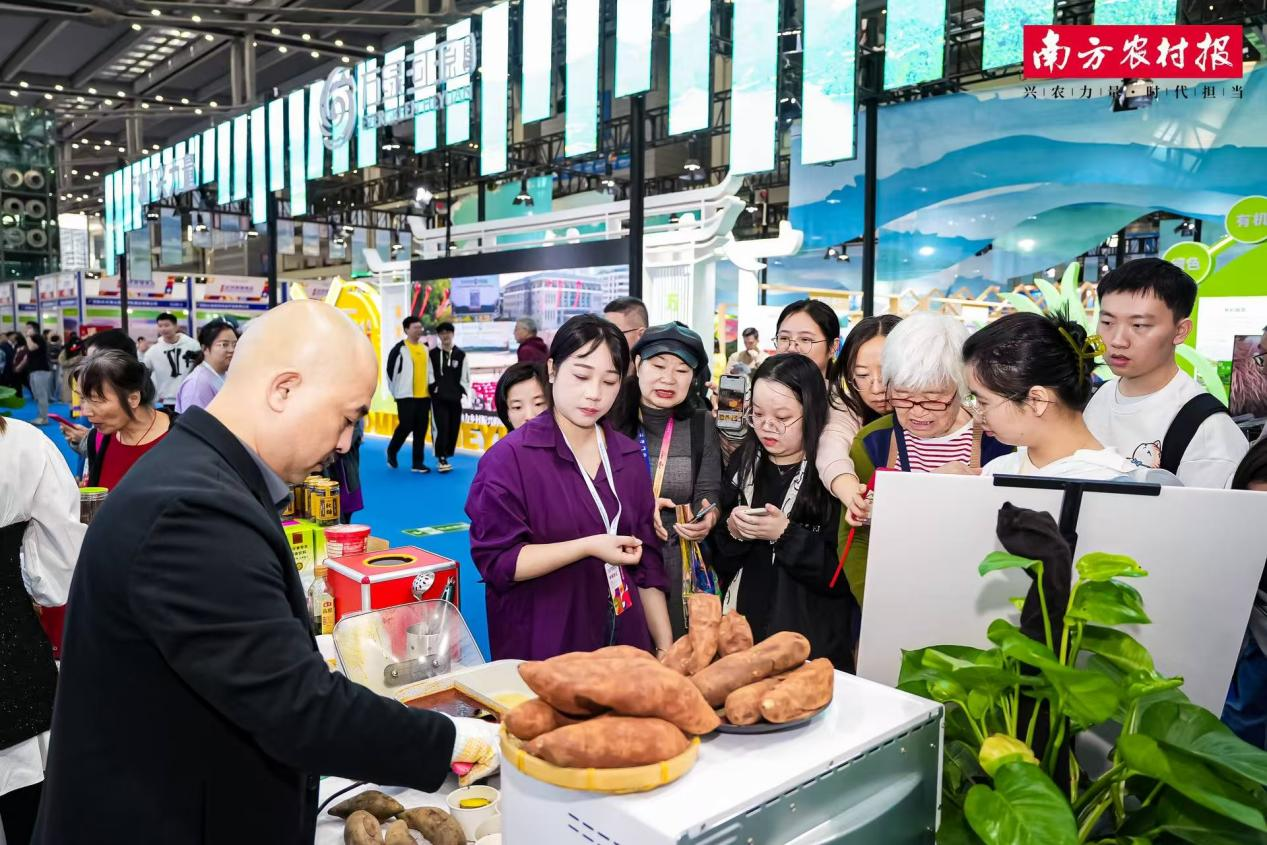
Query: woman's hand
x,y
858,509
661,504
956,468
768,526
615,549
846,487
698,530
74,434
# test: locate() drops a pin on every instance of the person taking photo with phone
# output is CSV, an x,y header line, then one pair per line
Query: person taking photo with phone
x,y
776,550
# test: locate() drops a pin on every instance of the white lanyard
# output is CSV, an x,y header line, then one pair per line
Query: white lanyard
x,y
617,589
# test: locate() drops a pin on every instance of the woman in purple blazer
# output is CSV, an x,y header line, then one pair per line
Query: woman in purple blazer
x,y
560,514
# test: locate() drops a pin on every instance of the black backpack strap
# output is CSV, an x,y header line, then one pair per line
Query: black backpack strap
x,y
1184,427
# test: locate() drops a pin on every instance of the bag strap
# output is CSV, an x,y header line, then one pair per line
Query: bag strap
x,y
1184,427
97,445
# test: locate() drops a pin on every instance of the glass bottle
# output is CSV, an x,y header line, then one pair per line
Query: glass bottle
x,y
321,603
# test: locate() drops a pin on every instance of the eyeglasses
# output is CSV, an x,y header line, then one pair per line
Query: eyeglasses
x,y
868,381
227,345
804,343
1258,359
927,404
760,421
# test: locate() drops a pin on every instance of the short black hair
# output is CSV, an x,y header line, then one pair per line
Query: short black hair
x,y
750,332
31,324
585,332
409,321
1020,351
446,326
1156,277
168,316
629,305
110,339
123,373
515,374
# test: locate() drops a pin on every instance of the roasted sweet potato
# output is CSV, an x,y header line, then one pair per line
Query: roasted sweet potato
x,y
606,653
610,742
397,833
743,706
801,693
734,634
533,718
362,829
380,806
626,687
704,613
772,655
435,824
678,657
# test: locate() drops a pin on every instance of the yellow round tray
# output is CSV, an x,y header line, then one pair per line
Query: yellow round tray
x,y
611,781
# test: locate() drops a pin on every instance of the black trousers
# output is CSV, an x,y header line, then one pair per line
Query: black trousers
x,y
18,810
448,416
413,415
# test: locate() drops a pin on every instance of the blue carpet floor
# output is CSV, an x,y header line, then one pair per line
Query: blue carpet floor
x,y
395,500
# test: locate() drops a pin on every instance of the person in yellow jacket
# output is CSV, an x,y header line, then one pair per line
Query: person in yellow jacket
x,y
407,379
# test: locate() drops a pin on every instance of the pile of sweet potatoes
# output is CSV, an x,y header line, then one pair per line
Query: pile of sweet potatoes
x,y
769,681
367,814
619,707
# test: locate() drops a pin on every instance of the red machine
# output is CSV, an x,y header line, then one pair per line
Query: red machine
x,y
374,580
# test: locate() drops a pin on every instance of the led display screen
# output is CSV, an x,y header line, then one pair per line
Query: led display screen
x,y
690,55
1154,12
580,128
316,146
276,145
538,59
829,123
424,122
633,47
224,161
494,86
208,155
914,42
753,119
457,115
108,230
259,161
1005,21
241,146
367,137
298,119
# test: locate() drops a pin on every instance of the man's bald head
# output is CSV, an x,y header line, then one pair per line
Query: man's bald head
x,y
301,377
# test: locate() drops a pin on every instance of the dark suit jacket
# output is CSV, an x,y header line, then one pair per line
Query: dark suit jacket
x,y
193,706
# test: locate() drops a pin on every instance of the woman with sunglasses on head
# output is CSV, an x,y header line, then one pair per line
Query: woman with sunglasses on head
x,y
561,519
679,443
929,430
776,550
1030,380
218,340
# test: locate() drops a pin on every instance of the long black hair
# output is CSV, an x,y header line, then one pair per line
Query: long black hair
x,y
843,394
515,374
124,375
1021,351
800,375
1253,467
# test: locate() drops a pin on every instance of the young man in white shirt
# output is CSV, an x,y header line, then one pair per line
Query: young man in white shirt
x,y
1145,310
171,358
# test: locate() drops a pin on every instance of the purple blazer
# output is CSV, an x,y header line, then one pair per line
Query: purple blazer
x,y
528,490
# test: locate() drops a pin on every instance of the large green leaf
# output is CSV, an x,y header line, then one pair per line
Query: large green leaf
x,y
1017,646
921,668
1023,808
954,828
1021,303
1120,649
1172,814
960,766
1069,283
1088,697
1002,560
1101,566
1053,299
1204,371
1190,776
1141,683
1107,603
1190,728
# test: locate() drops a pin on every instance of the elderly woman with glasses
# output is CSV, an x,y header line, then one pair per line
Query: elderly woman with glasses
x,y
929,430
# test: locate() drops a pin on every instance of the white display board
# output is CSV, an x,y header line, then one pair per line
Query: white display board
x,y
1203,550
1221,318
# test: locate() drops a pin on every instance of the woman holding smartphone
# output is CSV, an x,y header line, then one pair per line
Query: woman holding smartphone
x,y
777,547
561,519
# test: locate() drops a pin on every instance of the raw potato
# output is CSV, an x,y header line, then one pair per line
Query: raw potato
x,y
380,806
772,655
610,742
703,611
361,829
533,718
743,706
628,687
734,634
678,657
802,693
398,834
436,825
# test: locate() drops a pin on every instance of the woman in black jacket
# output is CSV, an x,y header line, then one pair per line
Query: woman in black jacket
x,y
777,547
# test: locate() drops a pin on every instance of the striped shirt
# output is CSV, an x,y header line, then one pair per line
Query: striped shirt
x,y
928,454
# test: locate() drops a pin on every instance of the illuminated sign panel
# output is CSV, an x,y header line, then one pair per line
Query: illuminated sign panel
x,y
633,46
538,59
753,122
580,126
829,125
494,88
914,42
690,59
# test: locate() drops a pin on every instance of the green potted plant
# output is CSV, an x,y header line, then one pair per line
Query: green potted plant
x,y
1175,773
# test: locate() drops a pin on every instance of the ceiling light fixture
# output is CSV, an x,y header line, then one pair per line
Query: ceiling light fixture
x,y
13,92
344,59
92,90
58,87
523,197
23,84
275,31
282,49
145,105
184,101
315,54
213,104
306,37
196,19
197,111
209,37
48,96
96,148
156,13
120,93
338,42
108,101
369,48
158,97
106,141
136,27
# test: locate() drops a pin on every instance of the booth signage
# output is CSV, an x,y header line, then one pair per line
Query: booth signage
x,y
1247,220
1133,52
235,289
